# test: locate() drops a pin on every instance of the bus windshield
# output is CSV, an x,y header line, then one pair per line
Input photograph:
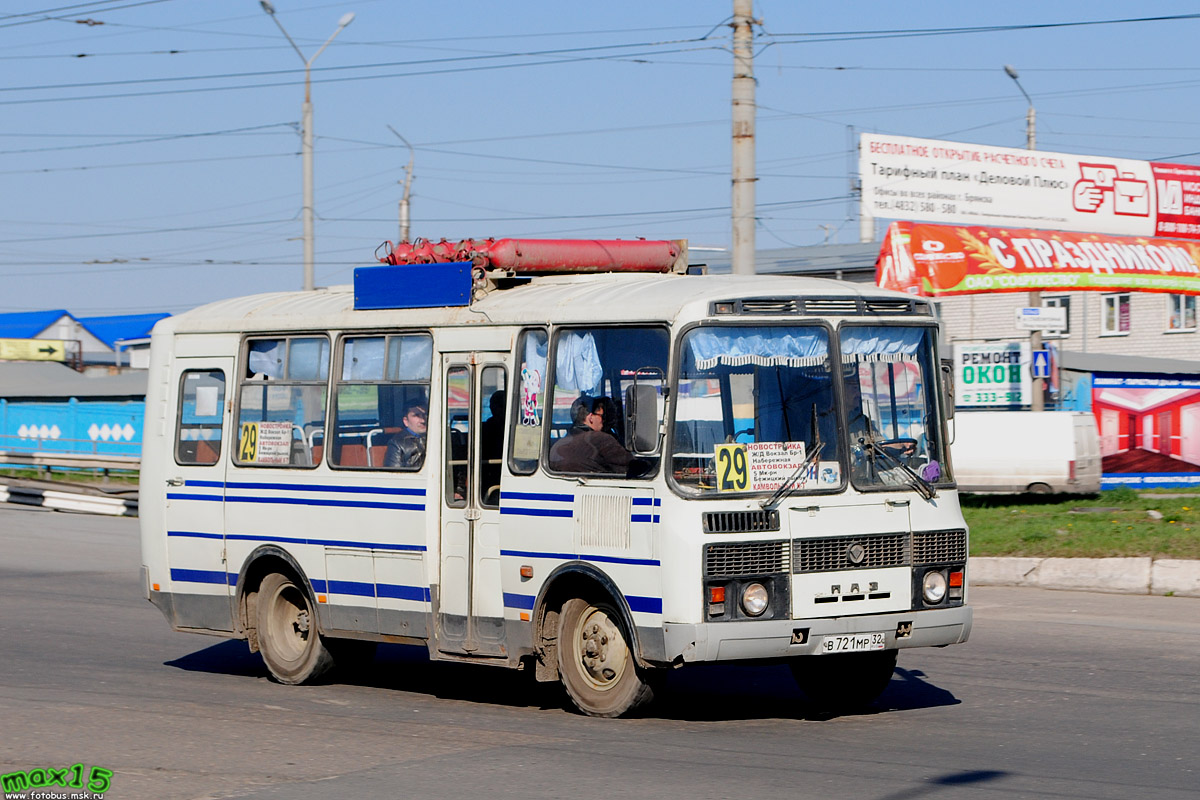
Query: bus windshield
x,y
890,379
755,411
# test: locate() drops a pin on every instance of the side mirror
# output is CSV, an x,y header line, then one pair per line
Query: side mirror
x,y
947,381
641,418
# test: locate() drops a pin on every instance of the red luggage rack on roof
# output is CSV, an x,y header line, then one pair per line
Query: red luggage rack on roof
x,y
473,265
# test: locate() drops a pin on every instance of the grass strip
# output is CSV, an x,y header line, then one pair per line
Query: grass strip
x,y
1120,522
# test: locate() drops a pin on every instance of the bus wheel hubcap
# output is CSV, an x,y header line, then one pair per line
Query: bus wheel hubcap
x,y
602,650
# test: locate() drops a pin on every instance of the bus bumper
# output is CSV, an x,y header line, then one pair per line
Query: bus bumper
x,y
755,639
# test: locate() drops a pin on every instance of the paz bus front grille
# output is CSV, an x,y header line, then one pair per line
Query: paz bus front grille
x,y
939,547
837,553
832,553
746,558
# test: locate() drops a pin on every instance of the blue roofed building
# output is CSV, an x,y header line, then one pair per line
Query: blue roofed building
x,y
120,341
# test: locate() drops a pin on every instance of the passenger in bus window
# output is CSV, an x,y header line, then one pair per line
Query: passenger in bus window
x,y
407,448
588,447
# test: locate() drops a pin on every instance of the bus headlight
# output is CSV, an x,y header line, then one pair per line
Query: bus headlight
x,y
934,587
754,599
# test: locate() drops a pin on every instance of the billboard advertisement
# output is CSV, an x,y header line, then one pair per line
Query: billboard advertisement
x,y
941,260
995,374
971,184
1149,430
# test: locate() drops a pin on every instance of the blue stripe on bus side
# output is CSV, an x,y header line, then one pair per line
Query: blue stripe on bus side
x,y
297,501
638,562
305,501
308,487
180,496
322,487
249,537
198,576
352,587
648,605
521,601
549,498
647,501
401,592
536,512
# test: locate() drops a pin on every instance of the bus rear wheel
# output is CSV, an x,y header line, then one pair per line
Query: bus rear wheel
x,y
287,632
843,682
595,662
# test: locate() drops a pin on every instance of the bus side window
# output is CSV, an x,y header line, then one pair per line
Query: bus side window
x,y
493,405
381,402
198,424
529,402
281,405
458,428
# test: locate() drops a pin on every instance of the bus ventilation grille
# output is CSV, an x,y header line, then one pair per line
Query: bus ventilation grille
x,y
838,552
770,306
741,521
939,547
833,305
746,558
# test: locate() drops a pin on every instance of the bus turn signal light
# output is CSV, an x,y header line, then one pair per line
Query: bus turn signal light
x,y
956,579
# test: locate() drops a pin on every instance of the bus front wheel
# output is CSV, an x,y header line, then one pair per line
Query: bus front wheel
x,y
287,632
845,681
595,662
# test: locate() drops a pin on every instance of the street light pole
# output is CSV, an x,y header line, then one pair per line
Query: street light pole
x,y
306,136
1038,401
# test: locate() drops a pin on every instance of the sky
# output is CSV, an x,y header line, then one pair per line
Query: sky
x,y
150,149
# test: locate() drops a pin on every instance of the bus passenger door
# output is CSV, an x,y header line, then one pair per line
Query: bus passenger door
x,y
194,483
470,602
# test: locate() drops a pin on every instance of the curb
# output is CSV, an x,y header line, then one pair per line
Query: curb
x,y
66,499
1160,576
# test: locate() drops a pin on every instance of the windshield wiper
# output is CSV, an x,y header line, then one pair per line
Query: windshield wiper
x,y
789,486
918,484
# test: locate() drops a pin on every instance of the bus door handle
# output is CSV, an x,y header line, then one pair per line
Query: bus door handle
x,y
174,481
472,514
897,503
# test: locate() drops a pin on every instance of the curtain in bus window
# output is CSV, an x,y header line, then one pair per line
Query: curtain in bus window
x,y
362,359
266,358
881,344
309,359
534,357
410,358
764,347
578,364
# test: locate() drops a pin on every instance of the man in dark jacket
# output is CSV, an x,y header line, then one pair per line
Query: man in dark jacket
x,y
588,448
407,448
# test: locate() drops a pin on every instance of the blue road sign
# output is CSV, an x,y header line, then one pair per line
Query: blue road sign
x,y
1040,368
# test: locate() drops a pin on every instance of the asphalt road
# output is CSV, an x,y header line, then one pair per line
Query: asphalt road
x,y
1057,695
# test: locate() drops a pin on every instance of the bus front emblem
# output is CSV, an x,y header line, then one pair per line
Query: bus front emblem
x,y
855,553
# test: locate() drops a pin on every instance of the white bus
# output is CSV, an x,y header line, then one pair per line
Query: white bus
x,y
600,475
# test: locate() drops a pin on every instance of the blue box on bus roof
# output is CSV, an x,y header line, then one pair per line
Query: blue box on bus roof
x,y
412,286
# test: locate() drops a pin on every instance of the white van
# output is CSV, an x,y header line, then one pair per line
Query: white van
x,y
1026,451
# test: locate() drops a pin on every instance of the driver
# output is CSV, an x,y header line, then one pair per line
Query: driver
x,y
589,448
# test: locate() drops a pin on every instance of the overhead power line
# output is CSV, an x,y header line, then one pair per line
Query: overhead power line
x,y
843,36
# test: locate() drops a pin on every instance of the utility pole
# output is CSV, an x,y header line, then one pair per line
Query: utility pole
x,y
408,176
743,138
1038,401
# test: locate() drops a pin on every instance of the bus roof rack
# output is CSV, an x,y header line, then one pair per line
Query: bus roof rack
x,y
546,256
425,274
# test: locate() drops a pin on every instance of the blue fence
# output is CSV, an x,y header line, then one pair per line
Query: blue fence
x,y
73,426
